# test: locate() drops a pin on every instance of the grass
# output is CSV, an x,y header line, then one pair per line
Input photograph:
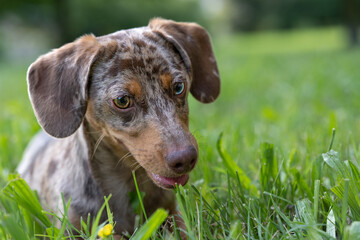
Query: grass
x,y
270,166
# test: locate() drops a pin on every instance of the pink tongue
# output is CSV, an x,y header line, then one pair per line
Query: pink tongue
x,y
171,181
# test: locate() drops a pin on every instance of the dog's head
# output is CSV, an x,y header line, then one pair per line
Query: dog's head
x,y
131,86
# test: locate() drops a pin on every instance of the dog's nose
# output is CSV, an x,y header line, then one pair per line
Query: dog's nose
x,y
182,161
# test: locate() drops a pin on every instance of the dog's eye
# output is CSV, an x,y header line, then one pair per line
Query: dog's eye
x,y
122,102
179,88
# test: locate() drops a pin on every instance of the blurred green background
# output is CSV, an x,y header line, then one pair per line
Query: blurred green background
x,y
290,69
290,74
30,27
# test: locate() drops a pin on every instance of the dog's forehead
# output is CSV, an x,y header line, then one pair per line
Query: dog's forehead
x,y
140,44
139,54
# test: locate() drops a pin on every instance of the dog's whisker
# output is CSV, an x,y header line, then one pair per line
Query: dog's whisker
x,y
134,164
137,167
93,132
146,180
123,158
97,144
127,155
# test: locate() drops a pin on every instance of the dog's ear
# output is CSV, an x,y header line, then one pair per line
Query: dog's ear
x,y
195,40
57,84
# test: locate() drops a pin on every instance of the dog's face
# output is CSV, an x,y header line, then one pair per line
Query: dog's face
x,y
132,87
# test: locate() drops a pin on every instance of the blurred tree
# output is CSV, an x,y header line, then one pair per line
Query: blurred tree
x,y
70,19
284,14
247,15
61,18
99,18
252,15
352,11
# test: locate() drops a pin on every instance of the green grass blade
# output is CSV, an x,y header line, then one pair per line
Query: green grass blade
x,y
184,203
332,139
305,213
207,205
330,224
11,225
269,168
175,228
316,199
94,227
151,225
344,205
233,168
332,159
352,232
52,233
235,231
139,195
18,191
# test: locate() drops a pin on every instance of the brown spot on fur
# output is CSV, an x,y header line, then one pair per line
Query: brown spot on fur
x,y
139,43
152,48
134,88
114,68
112,47
124,47
166,80
149,60
151,37
138,63
131,63
52,167
156,68
125,63
159,113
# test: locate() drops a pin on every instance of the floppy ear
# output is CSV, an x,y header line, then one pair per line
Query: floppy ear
x,y
195,40
57,84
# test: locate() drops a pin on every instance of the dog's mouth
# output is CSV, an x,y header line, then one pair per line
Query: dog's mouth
x,y
162,181
168,182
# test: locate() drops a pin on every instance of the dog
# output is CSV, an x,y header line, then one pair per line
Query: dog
x,y
114,104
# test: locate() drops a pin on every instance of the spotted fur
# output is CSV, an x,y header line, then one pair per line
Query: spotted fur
x,y
91,146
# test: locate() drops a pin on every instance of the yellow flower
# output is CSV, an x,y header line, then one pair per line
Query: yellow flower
x,y
105,231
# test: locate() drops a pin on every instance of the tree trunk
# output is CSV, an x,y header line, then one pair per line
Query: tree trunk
x,y
352,24
61,20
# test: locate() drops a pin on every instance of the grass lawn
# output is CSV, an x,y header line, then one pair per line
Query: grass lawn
x,y
268,168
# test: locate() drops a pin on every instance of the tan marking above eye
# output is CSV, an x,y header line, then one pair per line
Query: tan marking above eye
x,y
134,87
166,80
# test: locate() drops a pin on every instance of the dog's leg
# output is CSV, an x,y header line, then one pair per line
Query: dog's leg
x,y
180,224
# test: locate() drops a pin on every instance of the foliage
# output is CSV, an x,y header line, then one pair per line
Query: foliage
x,y
92,16
260,14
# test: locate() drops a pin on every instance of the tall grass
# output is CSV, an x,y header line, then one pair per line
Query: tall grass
x,y
270,165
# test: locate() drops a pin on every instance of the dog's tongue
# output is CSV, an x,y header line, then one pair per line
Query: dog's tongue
x,y
168,182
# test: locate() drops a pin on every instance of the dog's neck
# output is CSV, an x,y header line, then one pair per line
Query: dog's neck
x,y
107,162
112,172
111,165
107,174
